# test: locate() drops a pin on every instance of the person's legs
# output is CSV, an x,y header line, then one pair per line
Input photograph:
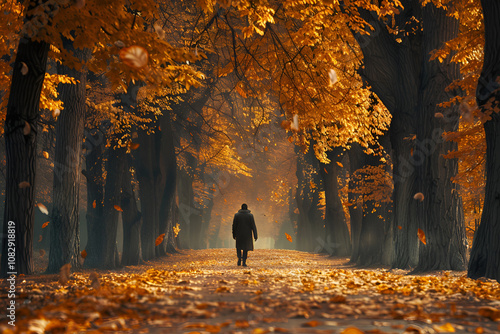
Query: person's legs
x,y
245,254
238,254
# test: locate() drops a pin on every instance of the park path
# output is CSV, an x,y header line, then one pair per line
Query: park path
x,y
281,291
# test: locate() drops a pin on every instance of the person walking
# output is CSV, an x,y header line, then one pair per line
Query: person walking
x,y
243,226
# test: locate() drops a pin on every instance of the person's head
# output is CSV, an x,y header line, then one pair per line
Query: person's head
x,y
244,206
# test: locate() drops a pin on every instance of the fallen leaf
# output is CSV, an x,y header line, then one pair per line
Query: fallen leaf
x,y
312,323
421,236
352,330
489,312
446,328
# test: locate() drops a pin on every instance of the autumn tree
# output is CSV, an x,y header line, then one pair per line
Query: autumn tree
x,y
484,253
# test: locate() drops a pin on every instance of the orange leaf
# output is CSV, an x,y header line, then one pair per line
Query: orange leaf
x,y
400,227
446,328
93,204
45,224
288,237
159,240
133,146
419,197
45,154
421,236
351,330
118,208
24,184
83,253
325,170
338,163
43,208
312,323
134,56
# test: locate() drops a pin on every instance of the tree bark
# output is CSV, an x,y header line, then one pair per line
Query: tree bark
x,y
440,214
65,227
355,200
132,221
337,242
485,253
20,148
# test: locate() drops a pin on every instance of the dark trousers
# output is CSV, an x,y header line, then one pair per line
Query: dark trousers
x,y
238,253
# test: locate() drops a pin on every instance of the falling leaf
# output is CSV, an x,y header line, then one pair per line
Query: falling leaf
x,y
159,240
56,113
43,208
265,148
24,184
419,197
421,236
332,76
399,40
134,56
288,237
325,170
411,152
118,208
45,154
352,330
26,129
446,328
438,115
94,204
83,253
400,227
340,165
296,211
24,68
295,124
40,238
64,274
45,224
42,252
133,146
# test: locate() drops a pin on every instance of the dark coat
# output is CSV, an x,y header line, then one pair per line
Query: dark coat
x,y
243,225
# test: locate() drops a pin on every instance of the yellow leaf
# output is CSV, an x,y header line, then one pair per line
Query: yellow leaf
x,y
118,208
288,237
446,328
421,236
159,240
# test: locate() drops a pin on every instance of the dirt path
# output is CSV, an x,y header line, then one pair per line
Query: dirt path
x,y
280,291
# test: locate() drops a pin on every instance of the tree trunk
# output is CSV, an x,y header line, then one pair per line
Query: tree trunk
x,y
355,200
132,221
440,214
94,161
338,242
65,229
485,253
20,150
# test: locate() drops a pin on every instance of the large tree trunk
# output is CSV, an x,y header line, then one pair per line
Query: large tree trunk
x,y
132,221
485,253
337,242
20,147
355,200
94,161
65,227
440,214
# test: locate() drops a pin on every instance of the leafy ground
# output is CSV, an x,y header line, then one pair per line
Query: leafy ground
x,y
282,291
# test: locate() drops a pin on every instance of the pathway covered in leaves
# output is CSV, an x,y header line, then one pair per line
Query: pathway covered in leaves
x,y
203,291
